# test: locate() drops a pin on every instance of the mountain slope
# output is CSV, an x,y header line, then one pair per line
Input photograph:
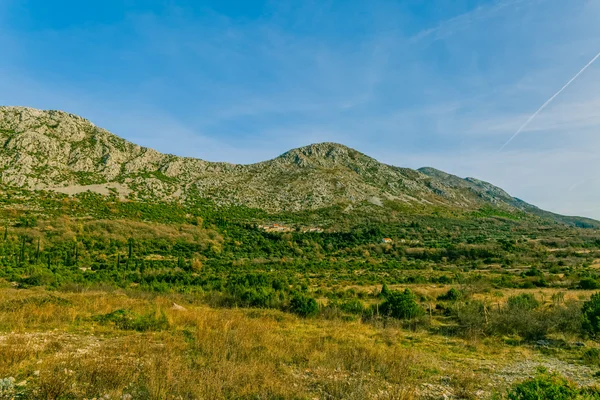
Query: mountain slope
x,y
54,150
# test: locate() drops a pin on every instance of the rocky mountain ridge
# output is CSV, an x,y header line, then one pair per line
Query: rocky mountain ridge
x,y
55,150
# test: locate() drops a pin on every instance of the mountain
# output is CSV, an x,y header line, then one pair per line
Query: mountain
x,y
54,150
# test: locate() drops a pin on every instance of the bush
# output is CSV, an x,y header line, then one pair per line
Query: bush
x,y
303,306
546,386
470,317
26,221
528,324
353,306
591,315
591,357
452,295
259,297
518,317
401,305
589,284
525,301
130,321
40,277
567,318
385,291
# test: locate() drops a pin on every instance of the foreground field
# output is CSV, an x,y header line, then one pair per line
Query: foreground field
x,y
134,345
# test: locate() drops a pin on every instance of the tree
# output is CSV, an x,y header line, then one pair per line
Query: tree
x,y
303,306
401,305
130,243
385,291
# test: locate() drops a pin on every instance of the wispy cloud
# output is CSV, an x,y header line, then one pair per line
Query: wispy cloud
x,y
463,21
243,89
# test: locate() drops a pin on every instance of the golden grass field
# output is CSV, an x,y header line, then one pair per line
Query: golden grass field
x,y
54,348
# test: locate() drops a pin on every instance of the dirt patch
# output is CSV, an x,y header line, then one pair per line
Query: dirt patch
x,y
103,189
582,374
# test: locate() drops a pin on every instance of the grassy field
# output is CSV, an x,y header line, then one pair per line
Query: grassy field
x,y
101,298
134,345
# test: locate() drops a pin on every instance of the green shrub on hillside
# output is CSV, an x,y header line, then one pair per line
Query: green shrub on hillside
x,y
401,305
591,315
452,295
303,306
522,316
130,321
547,386
589,284
591,357
525,301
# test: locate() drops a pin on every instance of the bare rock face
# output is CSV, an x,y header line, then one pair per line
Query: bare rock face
x,y
59,151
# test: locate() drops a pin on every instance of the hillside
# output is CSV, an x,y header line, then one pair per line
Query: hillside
x,y
322,273
54,150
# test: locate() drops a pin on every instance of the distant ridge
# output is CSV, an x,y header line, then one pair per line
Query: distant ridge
x,y
55,150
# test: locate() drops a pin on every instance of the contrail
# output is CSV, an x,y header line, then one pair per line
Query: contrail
x,y
535,114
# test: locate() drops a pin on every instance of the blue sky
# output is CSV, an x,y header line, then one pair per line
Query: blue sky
x,y
411,83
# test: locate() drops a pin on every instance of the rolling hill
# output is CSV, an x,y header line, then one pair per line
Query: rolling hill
x,y
58,151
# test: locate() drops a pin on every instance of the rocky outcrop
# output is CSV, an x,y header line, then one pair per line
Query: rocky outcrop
x,y
59,151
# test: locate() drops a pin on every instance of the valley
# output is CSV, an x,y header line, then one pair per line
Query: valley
x,y
320,274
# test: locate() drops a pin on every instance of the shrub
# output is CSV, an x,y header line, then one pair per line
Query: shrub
x,y
567,318
591,315
589,284
470,317
591,357
26,221
259,297
128,320
546,386
525,301
303,306
40,277
533,271
518,317
385,291
530,324
401,305
352,306
452,295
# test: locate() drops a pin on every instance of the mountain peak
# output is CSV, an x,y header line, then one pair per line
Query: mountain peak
x,y
24,113
325,154
55,150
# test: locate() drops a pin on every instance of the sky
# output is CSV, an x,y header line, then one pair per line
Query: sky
x,y
411,83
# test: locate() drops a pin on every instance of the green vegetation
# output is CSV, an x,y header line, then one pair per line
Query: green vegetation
x,y
547,386
221,254
468,284
591,315
127,320
401,305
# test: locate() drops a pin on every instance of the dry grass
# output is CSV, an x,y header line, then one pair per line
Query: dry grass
x,y
54,341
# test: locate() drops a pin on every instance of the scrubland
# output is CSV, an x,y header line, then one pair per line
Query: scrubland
x,y
102,298
134,345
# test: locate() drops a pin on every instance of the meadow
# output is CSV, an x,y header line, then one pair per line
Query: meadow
x,y
122,300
